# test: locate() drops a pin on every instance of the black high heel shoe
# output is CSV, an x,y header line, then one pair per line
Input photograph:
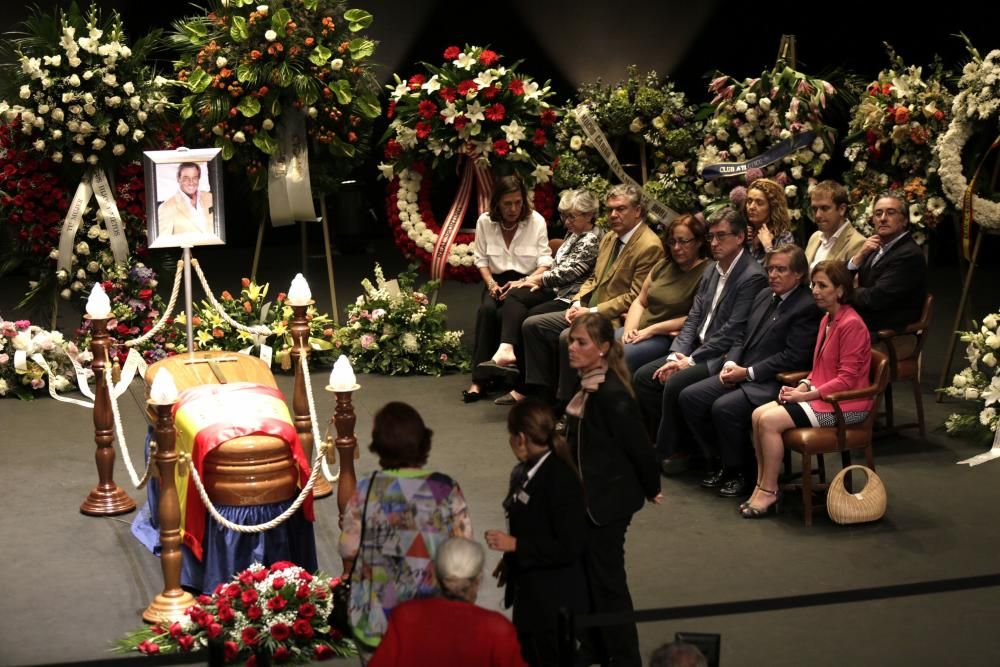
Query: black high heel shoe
x,y
471,396
751,512
746,503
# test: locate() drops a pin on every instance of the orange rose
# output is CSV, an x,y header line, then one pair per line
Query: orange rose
x,y
245,282
226,296
247,307
217,332
902,115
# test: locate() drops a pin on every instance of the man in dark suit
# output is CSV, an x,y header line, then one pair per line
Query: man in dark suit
x,y
891,270
780,336
714,324
623,260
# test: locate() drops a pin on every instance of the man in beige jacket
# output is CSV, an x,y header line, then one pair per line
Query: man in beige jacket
x,y
189,211
835,237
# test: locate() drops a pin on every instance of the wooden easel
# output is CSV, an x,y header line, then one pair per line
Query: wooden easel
x,y
303,229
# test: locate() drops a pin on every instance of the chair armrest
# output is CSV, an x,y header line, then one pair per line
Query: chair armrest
x,y
792,377
852,394
886,334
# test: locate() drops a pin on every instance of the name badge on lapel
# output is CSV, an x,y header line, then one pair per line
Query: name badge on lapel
x,y
522,497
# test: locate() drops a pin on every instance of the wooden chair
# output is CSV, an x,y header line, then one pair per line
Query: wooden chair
x,y
841,438
905,364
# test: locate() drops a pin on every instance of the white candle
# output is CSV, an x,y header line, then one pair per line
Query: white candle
x,y
342,377
299,293
98,304
164,389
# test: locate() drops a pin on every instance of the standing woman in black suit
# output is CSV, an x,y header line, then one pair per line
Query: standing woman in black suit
x,y
543,554
618,466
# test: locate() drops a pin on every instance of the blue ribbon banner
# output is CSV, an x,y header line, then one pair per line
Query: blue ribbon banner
x,y
777,152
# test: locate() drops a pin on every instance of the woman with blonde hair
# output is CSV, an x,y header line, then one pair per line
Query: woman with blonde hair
x,y
766,210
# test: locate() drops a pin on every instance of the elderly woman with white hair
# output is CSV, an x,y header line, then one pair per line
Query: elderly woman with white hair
x,y
550,291
450,629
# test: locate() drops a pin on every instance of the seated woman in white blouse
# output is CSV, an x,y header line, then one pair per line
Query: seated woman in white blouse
x,y
511,243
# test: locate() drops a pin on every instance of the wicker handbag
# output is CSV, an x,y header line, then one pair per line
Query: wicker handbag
x,y
867,504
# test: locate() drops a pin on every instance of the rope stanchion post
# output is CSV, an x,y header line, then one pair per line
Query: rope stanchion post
x,y
106,499
169,605
299,330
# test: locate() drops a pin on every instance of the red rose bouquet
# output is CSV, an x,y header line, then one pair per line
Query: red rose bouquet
x,y
281,610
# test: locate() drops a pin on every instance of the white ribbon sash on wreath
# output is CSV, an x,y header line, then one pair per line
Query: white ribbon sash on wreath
x,y
134,364
94,182
475,172
777,152
988,455
657,209
289,191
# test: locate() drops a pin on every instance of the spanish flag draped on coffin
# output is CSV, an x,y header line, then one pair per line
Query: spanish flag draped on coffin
x,y
248,485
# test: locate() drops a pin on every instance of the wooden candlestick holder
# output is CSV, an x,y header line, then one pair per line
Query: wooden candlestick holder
x,y
299,330
169,605
343,422
106,499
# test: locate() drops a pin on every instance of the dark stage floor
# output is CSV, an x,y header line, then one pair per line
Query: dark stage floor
x,y
72,583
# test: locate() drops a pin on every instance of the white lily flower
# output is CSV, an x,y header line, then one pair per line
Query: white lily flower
x,y
407,137
515,132
431,85
386,170
542,174
449,113
485,79
474,112
399,91
465,61
531,90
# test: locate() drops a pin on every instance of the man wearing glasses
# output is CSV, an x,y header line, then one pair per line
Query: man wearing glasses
x,y
189,211
716,322
780,335
890,268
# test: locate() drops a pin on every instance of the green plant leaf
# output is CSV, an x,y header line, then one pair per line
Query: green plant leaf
x,y
342,89
244,73
265,142
361,48
198,81
311,5
320,55
280,19
238,31
357,19
368,106
249,106
228,149
341,148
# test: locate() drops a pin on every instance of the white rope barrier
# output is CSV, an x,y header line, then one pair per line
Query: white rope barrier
x,y
256,330
260,527
120,431
166,314
304,362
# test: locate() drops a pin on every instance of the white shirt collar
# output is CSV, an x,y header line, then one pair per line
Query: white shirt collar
x,y
835,235
629,234
534,468
725,274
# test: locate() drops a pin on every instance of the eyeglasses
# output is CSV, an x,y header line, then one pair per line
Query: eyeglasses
x,y
777,269
885,213
684,243
718,236
567,217
618,209
190,179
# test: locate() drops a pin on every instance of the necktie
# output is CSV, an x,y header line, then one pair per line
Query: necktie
x,y
614,254
518,478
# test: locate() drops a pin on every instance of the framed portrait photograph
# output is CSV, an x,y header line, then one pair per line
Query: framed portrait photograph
x,y
184,197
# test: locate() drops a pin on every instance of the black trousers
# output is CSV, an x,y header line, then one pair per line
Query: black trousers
x,y
604,561
487,336
719,418
661,406
516,306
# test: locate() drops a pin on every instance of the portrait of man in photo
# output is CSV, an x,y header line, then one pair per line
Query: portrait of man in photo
x,y
189,210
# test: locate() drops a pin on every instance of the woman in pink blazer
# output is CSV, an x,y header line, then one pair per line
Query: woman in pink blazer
x,y
841,362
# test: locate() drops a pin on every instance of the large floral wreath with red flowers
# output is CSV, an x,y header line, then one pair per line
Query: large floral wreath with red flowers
x,y
480,113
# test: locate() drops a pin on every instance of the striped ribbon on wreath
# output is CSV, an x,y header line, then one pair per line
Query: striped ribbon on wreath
x,y
475,174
